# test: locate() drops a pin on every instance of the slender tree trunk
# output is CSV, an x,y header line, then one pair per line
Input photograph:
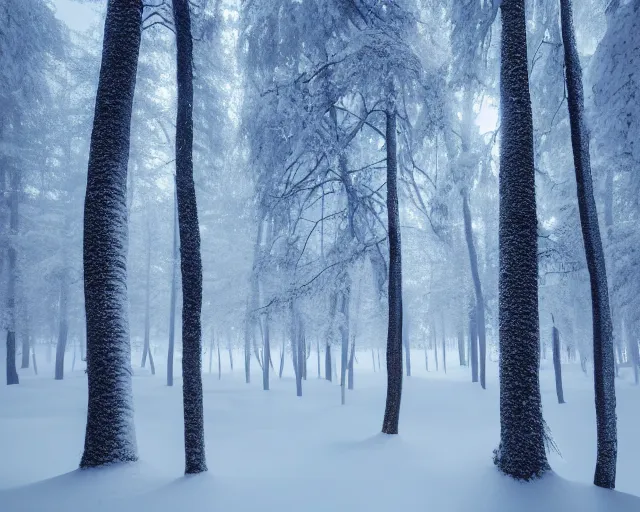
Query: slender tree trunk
x,y
230,356
407,345
461,354
282,358
426,356
318,351
473,341
267,355
190,259
394,334
147,305
110,432
219,362
63,331
211,345
25,351
444,346
557,367
603,363
295,349
350,368
473,259
435,345
33,359
373,359
344,331
521,453
174,293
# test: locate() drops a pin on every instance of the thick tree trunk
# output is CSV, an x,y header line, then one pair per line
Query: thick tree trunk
x,y
394,334
603,363
190,259
63,331
473,260
557,367
521,453
473,341
110,432
174,293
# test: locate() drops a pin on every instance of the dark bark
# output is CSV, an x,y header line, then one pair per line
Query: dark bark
x,y
267,355
12,372
110,430
473,260
473,341
394,334
174,293
557,367
521,453
63,330
190,259
603,363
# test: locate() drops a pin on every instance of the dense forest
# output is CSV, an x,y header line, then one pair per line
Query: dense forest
x,y
329,197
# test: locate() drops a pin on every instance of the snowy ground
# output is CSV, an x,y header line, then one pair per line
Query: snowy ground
x,y
272,451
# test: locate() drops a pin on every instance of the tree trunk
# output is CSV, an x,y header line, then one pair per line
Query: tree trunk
x,y
33,359
327,362
557,367
461,354
267,356
350,368
603,363
219,362
373,359
211,345
473,341
394,334
63,331
473,260
521,453
426,355
12,372
25,351
282,358
295,349
147,306
407,345
344,331
435,345
190,259
110,431
318,351
174,293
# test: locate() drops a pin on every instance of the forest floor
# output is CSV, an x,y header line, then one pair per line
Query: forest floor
x,y
273,451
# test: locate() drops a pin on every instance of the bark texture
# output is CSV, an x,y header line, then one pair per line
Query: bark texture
x,y
190,259
603,359
110,432
394,333
521,453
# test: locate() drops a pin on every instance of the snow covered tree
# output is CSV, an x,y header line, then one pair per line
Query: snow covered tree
x,y
521,452
110,432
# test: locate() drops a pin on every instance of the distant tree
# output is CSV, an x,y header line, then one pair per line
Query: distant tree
x,y
521,453
190,258
110,432
603,358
